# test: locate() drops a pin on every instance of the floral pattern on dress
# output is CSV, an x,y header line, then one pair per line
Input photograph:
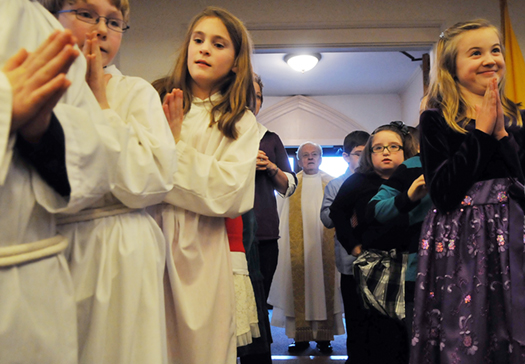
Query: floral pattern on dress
x,y
462,302
467,201
470,343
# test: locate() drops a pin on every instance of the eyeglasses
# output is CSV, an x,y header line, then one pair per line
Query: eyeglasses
x,y
392,148
91,17
356,154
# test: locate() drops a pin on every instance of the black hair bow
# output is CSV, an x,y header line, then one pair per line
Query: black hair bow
x,y
401,126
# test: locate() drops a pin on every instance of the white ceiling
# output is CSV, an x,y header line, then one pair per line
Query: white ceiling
x,y
338,73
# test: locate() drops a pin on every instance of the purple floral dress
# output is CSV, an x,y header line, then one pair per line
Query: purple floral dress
x,y
464,290
470,289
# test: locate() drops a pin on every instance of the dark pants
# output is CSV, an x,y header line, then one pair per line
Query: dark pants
x,y
409,308
355,319
268,254
372,338
387,340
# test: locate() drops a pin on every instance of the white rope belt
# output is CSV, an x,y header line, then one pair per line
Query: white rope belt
x,y
23,253
92,214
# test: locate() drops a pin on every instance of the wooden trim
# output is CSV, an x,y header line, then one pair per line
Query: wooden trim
x,y
360,35
309,105
323,112
426,72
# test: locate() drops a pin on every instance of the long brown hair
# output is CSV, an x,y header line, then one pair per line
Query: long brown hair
x,y
443,92
408,138
237,91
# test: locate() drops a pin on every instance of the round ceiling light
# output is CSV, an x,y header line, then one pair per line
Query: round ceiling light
x,y
302,62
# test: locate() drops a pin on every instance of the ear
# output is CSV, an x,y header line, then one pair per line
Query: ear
x,y
235,67
346,157
299,163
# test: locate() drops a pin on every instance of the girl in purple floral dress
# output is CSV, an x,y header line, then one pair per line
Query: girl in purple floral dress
x,y
470,289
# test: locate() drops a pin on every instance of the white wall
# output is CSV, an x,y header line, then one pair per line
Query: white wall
x,y
369,111
149,48
411,97
158,25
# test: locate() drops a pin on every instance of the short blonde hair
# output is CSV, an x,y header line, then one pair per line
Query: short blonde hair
x,y
54,6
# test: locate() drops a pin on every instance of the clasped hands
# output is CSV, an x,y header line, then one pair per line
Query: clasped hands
x,y
174,111
95,76
38,81
489,117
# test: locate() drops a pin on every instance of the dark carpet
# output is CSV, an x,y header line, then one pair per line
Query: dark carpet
x,y
281,342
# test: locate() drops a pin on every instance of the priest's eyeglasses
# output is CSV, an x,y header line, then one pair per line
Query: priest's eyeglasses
x,y
91,17
392,148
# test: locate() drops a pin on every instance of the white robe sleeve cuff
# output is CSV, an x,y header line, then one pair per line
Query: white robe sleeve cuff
x,y
291,185
6,141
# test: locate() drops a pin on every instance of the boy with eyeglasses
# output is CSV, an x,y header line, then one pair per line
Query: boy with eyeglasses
x,y
353,146
51,159
117,254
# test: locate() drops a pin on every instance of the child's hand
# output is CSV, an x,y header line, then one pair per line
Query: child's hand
x,y
418,189
95,76
38,82
358,249
499,128
488,112
174,112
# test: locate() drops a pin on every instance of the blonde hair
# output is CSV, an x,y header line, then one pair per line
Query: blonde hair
x,y
54,6
443,92
237,91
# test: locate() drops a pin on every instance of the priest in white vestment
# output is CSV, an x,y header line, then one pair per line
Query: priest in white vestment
x,y
305,292
37,306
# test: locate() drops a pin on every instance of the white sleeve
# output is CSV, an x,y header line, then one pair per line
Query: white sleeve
x,y
78,112
291,185
6,141
222,184
147,160
87,158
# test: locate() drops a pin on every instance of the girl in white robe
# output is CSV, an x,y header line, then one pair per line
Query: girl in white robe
x,y
117,253
217,143
37,307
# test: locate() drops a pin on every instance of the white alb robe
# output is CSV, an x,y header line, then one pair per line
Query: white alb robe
x,y
281,291
215,179
37,307
117,252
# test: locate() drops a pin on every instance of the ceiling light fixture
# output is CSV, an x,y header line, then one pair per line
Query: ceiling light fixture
x,y
302,62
